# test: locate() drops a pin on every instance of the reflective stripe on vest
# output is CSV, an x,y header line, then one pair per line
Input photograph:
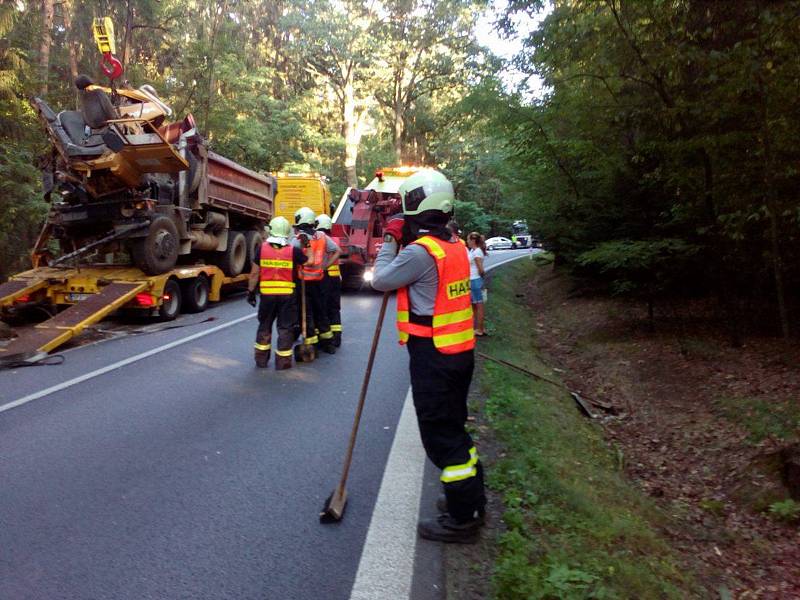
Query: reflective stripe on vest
x,y
460,472
451,328
312,270
275,274
334,270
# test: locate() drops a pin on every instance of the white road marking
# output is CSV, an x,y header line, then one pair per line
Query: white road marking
x,y
387,560
132,359
386,568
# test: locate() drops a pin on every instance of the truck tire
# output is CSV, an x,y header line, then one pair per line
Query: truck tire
x,y
232,261
253,241
157,252
170,301
195,294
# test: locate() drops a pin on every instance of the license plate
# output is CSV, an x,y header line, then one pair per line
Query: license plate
x,y
75,297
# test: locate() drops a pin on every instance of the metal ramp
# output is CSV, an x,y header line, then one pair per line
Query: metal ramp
x,y
70,322
16,288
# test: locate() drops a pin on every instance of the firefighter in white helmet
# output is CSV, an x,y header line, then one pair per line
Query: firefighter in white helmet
x,y
272,278
331,285
434,320
324,252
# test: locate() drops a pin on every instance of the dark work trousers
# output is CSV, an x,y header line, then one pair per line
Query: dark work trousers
x,y
280,308
317,323
332,299
440,384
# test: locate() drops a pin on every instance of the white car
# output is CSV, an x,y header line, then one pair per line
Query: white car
x,y
498,243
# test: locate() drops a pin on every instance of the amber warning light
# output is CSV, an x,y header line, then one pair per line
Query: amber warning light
x,y
379,175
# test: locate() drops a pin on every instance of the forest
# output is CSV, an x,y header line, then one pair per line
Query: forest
x,y
657,159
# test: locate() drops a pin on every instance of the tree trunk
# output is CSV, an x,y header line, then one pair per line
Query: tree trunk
x,y
127,39
44,46
399,128
71,49
352,136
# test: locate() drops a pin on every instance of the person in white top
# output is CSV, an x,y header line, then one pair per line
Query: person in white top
x,y
477,252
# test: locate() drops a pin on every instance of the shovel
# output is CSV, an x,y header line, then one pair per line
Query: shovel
x,y
334,505
304,352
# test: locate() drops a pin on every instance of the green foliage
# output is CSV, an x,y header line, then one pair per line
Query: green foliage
x,y
785,510
575,527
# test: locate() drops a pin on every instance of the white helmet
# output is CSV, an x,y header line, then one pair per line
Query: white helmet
x,y
323,222
279,231
427,190
304,216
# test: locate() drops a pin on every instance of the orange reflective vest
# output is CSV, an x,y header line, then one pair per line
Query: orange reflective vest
x,y
312,270
451,327
275,274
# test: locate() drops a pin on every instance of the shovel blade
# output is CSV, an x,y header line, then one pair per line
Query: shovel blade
x,y
305,353
333,511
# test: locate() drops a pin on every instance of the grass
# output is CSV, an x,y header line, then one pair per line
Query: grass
x,y
575,527
763,417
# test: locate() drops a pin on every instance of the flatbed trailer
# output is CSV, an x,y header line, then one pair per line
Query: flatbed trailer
x,y
84,295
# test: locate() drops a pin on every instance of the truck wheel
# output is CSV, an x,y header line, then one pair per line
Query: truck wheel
x,y
157,252
253,241
170,301
195,294
232,261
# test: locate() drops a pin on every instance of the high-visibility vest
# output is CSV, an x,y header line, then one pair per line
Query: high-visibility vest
x,y
275,270
451,328
312,270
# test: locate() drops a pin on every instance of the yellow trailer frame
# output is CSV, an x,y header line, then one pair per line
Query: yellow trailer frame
x,y
90,294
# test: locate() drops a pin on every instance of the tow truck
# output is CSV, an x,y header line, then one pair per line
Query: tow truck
x,y
359,221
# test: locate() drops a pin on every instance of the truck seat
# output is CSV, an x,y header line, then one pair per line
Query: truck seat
x,y
75,136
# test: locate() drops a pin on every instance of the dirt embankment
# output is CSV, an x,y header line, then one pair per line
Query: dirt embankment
x,y
701,426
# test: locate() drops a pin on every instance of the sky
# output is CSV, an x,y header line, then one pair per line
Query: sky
x,y
507,48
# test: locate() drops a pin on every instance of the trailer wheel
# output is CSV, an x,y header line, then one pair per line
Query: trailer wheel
x,y
157,252
253,241
232,261
195,294
170,301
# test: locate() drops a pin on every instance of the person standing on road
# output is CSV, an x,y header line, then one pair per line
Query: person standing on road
x,y
324,251
272,272
434,320
331,285
477,252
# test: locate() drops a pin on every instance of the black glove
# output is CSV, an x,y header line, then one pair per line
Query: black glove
x,y
305,240
251,297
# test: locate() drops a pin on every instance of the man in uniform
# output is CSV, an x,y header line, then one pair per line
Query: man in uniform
x,y
324,251
434,320
272,273
331,286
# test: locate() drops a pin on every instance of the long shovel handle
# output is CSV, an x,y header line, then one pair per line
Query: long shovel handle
x,y
303,306
364,385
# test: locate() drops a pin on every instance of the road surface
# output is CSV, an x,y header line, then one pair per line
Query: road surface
x,y
166,465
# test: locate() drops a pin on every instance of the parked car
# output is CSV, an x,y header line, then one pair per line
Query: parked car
x,y
498,243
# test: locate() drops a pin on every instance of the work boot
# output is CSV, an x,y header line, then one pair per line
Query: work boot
x,y
327,346
262,358
337,338
445,528
441,506
283,362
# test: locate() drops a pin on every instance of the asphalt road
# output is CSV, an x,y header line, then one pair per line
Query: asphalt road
x,y
133,471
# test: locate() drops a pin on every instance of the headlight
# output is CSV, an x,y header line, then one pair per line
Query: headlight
x,y
368,275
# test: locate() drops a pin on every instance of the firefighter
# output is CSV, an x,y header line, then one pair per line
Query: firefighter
x,y
434,320
272,272
324,251
332,285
